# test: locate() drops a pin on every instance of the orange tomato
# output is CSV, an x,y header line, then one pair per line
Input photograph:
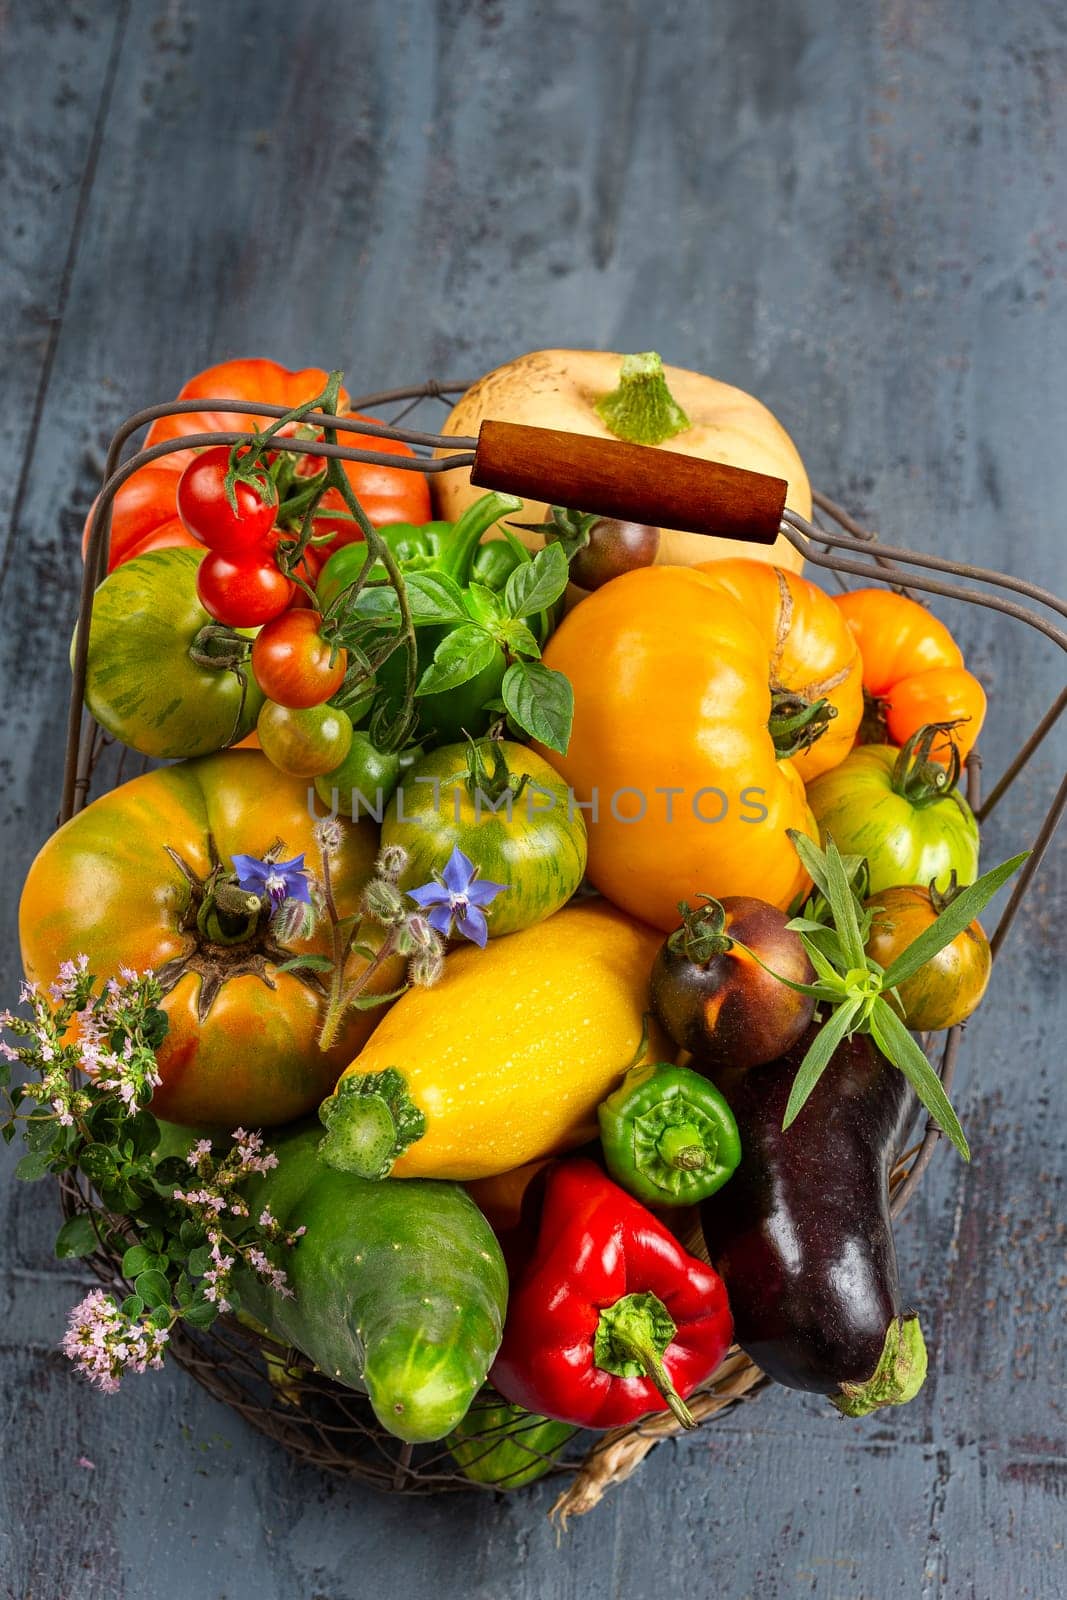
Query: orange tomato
x,y
670,742
913,668
241,1047
144,516
812,655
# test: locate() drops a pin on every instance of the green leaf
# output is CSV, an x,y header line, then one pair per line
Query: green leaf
x,y
952,921
199,1260
516,637
898,1046
367,1002
818,1057
819,991
309,962
433,597
33,1166
153,1287
200,1312
132,1307
137,1259
460,656
97,1162
541,701
142,1131
811,858
154,1027
822,963
539,583
843,907
484,604
77,1237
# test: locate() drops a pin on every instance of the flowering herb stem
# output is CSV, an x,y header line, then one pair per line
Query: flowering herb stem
x,y
860,995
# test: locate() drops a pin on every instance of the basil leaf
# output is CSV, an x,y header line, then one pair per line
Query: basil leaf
x,y
434,597
517,638
77,1237
818,1057
898,1046
539,583
540,700
484,604
460,656
952,921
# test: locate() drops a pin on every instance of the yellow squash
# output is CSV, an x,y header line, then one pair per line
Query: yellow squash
x,y
506,1058
564,388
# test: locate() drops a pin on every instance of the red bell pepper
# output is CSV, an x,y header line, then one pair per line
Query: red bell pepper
x,y
611,1319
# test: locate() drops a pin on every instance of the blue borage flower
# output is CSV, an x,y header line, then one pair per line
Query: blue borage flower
x,y
274,880
455,901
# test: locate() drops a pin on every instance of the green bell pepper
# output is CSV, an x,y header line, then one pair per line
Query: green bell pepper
x,y
669,1138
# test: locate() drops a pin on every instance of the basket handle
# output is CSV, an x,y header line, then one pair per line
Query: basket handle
x,y
633,482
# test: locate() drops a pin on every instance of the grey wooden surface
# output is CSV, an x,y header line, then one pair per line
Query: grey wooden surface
x,y
859,210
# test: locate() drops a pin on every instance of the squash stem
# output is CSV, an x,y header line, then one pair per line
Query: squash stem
x,y
642,409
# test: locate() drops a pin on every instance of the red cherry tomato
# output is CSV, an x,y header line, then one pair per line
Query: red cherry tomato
x,y
208,514
293,664
242,594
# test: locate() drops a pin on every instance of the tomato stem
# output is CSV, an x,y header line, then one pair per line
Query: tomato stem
x,y
917,776
795,723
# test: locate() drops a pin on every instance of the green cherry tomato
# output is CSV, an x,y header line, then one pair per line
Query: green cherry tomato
x,y
865,808
365,780
458,795
162,676
304,742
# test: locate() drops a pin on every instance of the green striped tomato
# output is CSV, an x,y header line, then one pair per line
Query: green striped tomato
x,y
535,843
159,675
857,805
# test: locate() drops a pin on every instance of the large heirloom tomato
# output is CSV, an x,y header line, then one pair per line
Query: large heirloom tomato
x,y
145,515
913,669
125,881
671,746
814,662
902,811
161,675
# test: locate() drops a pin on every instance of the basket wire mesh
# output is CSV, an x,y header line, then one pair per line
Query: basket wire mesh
x,y
275,1389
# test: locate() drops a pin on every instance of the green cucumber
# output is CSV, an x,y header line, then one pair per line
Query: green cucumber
x,y
399,1288
507,1447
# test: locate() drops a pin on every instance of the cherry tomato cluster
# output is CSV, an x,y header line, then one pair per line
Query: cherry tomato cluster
x,y
240,584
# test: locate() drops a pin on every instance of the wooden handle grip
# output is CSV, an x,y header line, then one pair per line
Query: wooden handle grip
x,y
632,482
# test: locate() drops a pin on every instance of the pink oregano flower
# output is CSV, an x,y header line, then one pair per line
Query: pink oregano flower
x,y
104,1343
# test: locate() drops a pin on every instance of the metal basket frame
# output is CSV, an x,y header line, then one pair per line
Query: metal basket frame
x,y
316,1419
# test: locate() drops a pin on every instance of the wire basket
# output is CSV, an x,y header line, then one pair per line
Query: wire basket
x,y
275,1389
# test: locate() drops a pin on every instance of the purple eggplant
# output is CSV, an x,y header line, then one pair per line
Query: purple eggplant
x,y
802,1234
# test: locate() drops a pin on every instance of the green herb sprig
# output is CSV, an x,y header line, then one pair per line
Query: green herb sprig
x,y
861,995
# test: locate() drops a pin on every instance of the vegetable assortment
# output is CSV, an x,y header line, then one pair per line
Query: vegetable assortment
x,y
529,938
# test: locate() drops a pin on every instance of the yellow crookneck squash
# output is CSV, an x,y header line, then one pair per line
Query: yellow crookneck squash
x,y
505,1059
